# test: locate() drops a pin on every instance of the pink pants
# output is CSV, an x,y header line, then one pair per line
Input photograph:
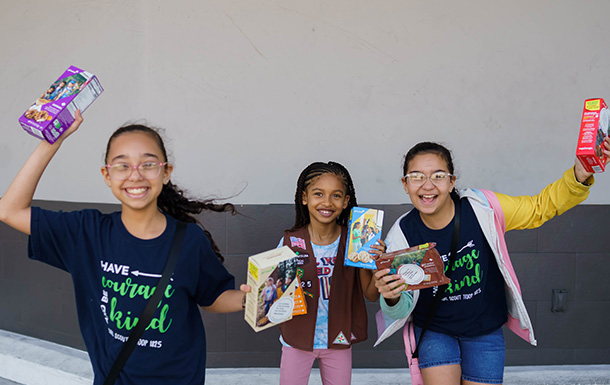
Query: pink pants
x,y
335,366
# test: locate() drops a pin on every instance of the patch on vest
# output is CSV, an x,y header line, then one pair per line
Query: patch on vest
x,y
341,340
298,242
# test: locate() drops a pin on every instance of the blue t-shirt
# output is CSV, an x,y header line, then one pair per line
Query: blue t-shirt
x,y
474,303
114,274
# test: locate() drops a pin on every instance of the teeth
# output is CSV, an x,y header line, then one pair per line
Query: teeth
x,y
428,196
138,190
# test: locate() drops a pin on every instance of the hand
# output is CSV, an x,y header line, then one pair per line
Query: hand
x,y
579,171
389,285
377,249
78,119
244,289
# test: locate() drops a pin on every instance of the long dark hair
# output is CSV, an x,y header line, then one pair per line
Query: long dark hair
x,y
172,200
430,148
308,175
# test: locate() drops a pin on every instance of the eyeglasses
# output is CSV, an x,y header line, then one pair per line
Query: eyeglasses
x,y
147,170
439,178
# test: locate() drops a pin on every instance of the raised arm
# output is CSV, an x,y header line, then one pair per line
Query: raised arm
x,y
15,204
526,212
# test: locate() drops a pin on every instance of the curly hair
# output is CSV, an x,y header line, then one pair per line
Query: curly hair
x,y
308,176
172,200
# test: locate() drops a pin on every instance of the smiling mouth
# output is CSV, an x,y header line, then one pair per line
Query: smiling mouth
x,y
427,199
326,213
136,190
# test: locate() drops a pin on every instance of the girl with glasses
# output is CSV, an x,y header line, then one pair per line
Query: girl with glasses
x,y
464,343
117,259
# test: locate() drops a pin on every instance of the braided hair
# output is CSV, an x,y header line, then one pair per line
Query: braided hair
x,y
172,199
430,148
308,176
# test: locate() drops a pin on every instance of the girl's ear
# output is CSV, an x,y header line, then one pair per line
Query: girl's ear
x,y
106,175
304,198
346,202
405,185
452,184
167,172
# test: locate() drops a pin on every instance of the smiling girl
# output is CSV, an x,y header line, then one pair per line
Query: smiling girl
x,y
336,314
116,259
464,343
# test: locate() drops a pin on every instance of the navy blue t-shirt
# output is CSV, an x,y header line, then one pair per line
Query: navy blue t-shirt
x,y
475,302
114,274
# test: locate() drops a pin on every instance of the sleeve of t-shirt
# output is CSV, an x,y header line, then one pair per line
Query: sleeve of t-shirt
x,y
215,278
401,309
54,236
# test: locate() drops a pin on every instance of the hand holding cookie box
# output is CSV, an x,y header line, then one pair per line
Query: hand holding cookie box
x,y
276,294
594,128
420,266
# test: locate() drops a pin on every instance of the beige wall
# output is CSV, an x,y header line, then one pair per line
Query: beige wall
x,y
252,91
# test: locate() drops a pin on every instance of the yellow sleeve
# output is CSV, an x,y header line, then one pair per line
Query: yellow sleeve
x,y
528,212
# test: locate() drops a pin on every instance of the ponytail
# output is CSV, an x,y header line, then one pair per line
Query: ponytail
x,y
172,200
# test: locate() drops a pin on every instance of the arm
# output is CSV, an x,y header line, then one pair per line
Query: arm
x,y
526,212
366,276
15,205
229,301
368,285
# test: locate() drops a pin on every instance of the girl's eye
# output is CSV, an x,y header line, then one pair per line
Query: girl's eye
x,y
121,167
148,165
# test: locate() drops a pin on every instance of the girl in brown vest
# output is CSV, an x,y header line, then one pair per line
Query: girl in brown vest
x,y
336,315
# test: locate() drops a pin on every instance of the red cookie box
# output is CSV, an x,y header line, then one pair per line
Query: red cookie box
x,y
593,131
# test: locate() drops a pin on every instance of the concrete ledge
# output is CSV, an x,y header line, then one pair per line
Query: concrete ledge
x,y
28,360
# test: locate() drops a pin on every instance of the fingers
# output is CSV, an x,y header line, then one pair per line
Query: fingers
x,y
388,285
245,288
78,119
378,248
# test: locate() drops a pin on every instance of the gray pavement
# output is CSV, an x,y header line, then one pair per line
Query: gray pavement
x,y
29,361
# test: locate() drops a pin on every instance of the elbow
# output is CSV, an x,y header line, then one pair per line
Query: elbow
x,y
372,297
3,213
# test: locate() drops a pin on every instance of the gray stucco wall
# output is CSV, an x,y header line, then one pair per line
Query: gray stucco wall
x,y
569,252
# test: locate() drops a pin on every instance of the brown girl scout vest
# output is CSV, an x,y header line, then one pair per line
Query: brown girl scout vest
x,y
347,319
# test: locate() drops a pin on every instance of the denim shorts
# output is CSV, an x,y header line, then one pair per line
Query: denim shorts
x,y
481,357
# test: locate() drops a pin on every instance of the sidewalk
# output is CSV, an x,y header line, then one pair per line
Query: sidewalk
x,y
29,361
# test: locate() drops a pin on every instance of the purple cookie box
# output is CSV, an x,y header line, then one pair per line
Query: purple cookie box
x,y
53,112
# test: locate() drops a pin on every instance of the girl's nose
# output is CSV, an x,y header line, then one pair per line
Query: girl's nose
x,y
135,174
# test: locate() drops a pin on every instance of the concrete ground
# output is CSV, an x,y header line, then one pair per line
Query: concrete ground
x,y
28,361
